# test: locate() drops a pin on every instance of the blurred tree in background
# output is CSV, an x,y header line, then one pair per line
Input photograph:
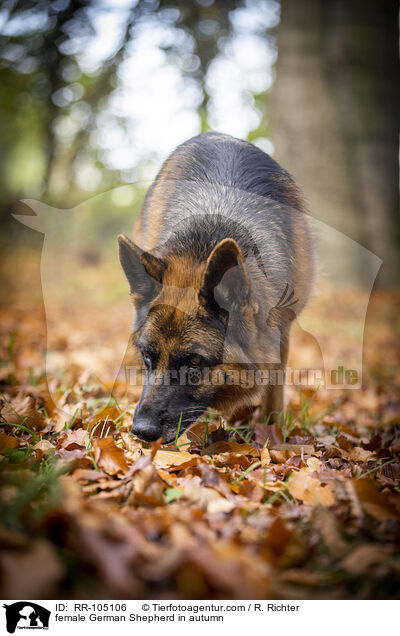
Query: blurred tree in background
x,y
95,94
76,79
336,105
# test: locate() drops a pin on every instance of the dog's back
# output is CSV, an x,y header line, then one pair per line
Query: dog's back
x,y
213,187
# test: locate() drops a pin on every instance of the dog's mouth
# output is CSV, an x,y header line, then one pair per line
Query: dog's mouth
x,y
150,430
171,435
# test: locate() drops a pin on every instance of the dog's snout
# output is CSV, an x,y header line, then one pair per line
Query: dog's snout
x,y
144,428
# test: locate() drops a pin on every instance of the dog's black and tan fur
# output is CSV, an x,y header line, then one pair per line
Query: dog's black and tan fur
x,y
223,236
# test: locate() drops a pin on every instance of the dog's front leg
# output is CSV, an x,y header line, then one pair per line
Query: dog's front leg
x,y
272,403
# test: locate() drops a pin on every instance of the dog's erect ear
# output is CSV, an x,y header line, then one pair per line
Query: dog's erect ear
x,y
226,282
143,270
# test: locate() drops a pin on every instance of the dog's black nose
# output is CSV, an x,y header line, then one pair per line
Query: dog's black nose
x,y
145,429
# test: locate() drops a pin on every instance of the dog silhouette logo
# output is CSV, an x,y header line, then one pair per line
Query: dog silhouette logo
x,y
26,615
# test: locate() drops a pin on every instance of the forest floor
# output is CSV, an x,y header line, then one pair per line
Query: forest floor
x,y
310,509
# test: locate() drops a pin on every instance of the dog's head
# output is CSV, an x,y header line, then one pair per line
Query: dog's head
x,y
182,312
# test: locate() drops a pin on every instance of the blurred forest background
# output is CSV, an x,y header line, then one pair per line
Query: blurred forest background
x,y
95,94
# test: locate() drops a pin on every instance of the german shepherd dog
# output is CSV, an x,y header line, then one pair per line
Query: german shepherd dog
x,y
225,262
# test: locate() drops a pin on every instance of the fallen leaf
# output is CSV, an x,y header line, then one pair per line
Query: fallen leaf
x,y
358,454
169,459
44,445
230,447
71,439
171,494
379,505
279,456
109,456
109,413
278,537
71,415
270,433
265,457
23,410
147,487
313,465
231,460
308,489
205,498
88,474
295,449
327,525
7,441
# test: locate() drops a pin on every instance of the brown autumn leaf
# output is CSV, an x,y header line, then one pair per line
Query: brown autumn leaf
x,y
109,456
278,537
302,485
145,484
7,441
301,440
270,433
72,439
248,491
130,442
392,472
295,449
231,460
78,455
146,457
379,505
109,413
358,454
313,464
230,447
265,457
172,459
24,411
205,498
184,442
147,487
88,474
102,428
326,523
310,490
266,478
71,414
44,446
200,431
279,456
281,453
133,448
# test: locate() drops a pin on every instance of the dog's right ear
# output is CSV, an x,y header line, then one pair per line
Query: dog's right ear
x,y
143,270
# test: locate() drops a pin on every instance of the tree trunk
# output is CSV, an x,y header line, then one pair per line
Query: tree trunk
x,y
335,118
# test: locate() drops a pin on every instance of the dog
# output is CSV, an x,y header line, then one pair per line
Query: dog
x,y
225,263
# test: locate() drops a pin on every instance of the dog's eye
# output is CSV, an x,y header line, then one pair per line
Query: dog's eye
x,y
146,359
195,362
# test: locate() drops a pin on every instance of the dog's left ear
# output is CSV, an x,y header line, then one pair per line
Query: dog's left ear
x,y
226,282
